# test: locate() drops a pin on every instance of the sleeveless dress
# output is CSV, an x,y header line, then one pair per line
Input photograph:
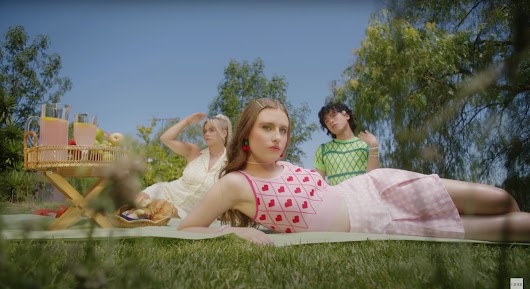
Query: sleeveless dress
x,y
383,201
186,192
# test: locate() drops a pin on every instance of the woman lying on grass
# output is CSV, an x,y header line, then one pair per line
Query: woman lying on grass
x,y
258,189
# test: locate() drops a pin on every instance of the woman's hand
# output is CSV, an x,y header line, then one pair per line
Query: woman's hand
x,y
195,118
369,138
251,234
169,138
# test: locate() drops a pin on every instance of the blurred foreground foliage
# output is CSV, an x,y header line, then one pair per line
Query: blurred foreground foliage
x,y
445,85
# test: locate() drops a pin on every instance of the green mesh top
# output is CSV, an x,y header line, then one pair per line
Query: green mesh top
x,y
342,159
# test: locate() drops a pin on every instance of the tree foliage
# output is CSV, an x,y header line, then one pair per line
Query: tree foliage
x,y
29,76
162,165
445,84
246,81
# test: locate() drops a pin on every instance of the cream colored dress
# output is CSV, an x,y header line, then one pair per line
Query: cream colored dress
x,y
186,192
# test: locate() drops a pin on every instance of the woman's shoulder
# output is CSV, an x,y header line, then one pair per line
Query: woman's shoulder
x,y
234,178
194,152
235,183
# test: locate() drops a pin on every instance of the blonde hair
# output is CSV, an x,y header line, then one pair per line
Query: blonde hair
x,y
220,122
237,158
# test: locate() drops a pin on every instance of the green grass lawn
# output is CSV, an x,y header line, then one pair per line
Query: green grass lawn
x,y
26,207
233,263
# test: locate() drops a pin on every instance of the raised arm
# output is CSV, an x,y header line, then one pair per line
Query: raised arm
x,y
230,192
373,154
169,137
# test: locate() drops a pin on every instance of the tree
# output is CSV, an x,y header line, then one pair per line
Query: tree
x,y
162,165
29,76
246,81
446,84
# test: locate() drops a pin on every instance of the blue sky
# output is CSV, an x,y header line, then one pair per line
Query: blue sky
x,y
130,61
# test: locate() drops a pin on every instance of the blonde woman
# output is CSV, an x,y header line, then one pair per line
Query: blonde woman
x,y
203,167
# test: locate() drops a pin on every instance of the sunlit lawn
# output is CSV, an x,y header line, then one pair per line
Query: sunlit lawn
x,y
233,263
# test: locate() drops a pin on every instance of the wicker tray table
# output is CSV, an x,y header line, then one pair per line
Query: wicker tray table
x,y
72,162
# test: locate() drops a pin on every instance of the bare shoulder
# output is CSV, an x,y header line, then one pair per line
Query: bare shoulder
x,y
234,180
236,184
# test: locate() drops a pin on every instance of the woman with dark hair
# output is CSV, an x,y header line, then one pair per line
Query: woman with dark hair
x,y
346,155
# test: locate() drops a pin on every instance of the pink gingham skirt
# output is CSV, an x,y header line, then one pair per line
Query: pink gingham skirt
x,y
391,201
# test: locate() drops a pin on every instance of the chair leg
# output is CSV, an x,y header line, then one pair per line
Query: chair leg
x,y
79,202
66,219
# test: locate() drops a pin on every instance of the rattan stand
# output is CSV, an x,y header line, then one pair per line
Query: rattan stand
x,y
58,163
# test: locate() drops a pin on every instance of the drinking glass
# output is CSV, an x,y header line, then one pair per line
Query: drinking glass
x,y
85,130
53,130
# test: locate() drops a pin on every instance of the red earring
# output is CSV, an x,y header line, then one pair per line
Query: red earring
x,y
246,147
281,156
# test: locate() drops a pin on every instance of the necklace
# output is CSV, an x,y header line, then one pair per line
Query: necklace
x,y
216,155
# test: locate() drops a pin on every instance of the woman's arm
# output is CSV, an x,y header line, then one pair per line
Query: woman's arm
x,y
169,137
321,172
373,153
230,192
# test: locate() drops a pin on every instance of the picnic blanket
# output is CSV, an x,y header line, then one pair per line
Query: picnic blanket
x,y
27,226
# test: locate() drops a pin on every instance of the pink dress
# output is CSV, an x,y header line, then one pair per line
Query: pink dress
x,y
383,201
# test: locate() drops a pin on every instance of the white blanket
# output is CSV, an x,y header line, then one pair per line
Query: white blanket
x,y
26,226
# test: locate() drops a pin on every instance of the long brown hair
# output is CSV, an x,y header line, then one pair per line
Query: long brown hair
x,y
237,158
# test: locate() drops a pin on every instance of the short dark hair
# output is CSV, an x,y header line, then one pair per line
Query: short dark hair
x,y
336,107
